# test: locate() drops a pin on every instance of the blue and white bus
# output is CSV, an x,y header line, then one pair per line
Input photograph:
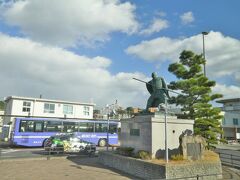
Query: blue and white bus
x,y
33,132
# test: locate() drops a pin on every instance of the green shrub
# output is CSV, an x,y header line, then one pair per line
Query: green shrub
x,y
125,151
177,157
143,154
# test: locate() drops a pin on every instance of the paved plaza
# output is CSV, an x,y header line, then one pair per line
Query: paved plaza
x,y
72,168
58,168
24,164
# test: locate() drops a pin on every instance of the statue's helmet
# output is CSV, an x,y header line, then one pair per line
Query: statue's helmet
x,y
154,75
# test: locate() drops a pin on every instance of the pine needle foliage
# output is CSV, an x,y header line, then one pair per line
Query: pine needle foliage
x,y
196,95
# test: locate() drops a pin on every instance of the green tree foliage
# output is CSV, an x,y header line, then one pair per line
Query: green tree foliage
x,y
1,105
196,95
129,111
121,112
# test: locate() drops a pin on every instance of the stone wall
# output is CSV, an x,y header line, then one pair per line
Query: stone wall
x,y
148,170
203,169
136,167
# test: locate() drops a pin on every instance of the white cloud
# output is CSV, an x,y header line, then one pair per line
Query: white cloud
x,y
228,91
160,13
70,23
222,52
187,18
30,69
156,26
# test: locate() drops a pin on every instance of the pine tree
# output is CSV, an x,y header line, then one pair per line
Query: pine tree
x,y
196,95
1,105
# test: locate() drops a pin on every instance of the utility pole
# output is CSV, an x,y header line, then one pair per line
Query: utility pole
x,y
204,65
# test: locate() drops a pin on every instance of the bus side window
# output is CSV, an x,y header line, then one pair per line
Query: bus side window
x,y
23,125
113,128
54,126
26,126
70,126
86,127
38,126
100,127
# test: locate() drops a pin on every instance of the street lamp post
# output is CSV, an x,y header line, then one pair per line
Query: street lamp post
x,y
204,65
165,123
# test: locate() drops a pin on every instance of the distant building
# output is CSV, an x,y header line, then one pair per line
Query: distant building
x,y
1,121
46,108
231,120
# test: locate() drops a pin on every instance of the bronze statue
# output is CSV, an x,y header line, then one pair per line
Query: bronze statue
x,y
158,90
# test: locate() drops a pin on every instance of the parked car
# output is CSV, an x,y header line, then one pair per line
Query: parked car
x,y
68,142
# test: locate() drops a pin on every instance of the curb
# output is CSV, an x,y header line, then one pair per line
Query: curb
x,y
31,158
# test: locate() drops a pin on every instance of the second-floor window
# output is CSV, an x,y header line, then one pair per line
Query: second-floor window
x,y
26,106
223,121
86,111
235,121
49,108
67,109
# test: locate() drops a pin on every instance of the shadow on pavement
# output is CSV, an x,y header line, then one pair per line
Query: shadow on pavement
x,y
92,161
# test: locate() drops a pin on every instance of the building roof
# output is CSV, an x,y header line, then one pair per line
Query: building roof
x,y
47,100
228,100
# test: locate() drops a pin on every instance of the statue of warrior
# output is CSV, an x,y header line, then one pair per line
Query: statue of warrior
x,y
158,90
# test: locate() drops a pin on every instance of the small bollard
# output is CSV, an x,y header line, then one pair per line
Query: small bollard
x,y
197,177
48,156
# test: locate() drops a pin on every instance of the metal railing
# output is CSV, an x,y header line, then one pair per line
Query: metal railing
x,y
230,159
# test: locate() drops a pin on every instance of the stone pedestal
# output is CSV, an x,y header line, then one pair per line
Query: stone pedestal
x,y
147,133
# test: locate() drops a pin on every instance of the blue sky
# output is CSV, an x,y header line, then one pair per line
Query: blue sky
x,y
89,50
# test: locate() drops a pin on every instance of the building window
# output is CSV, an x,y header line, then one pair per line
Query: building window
x,y
223,121
86,111
49,108
67,109
26,106
238,130
235,121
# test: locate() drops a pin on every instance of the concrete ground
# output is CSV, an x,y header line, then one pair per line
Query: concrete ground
x,y
61,168
81,167
72,168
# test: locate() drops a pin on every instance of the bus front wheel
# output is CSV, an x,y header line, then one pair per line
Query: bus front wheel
x,y
102,142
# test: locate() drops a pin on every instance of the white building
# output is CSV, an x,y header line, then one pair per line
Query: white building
x,y
1,121
45,108
231,120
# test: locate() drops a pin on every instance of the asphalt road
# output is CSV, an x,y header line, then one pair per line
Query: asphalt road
x,y
7,153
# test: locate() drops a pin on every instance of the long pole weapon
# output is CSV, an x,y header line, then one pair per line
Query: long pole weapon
x,y
151,85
